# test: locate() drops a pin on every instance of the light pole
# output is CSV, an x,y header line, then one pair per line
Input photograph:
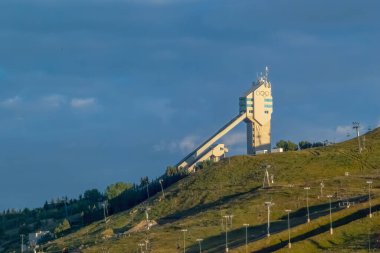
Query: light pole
x,y
22,243
331,228
162,188
227,217
268,204
307,203
200,244
288,212
141,247
369,182
246,236
184,239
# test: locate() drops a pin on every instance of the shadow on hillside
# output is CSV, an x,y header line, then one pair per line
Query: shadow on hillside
x,y
340,222
236,237
202,207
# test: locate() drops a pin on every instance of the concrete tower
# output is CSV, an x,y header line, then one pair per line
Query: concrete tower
x,y
257,104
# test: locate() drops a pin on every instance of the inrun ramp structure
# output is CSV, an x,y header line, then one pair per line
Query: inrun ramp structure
x,y
255,109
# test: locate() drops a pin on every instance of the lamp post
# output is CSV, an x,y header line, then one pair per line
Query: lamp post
x,y
200,244
268,204
331,228
22,243
184,239
227,217
162,188
369,182
246,236
288,212
307,203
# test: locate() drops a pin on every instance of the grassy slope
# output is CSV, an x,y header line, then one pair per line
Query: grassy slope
x,y
233,186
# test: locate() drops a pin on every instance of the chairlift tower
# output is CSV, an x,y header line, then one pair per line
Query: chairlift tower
x,y
266,179
322,185
356,126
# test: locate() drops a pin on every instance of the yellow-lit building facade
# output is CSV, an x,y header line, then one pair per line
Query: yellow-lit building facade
x,y
257,104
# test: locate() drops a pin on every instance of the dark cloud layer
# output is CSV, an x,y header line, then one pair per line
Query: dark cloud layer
x,y
94,92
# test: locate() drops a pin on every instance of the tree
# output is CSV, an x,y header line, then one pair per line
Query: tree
x,y
287,145
304,144
144,181
63,227
318,144
292,146
282,144
93,195
114,190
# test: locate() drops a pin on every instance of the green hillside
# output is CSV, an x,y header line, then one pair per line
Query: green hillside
x,y
234,186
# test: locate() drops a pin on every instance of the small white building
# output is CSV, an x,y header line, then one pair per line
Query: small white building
x,y
277,150
34,237
260,152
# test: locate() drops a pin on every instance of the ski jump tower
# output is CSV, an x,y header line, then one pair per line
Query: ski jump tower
x,y
255,109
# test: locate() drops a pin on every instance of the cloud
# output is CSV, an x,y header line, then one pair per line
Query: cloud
x,y
159,107
185,145
188,143
234,139
54,100
11,102
299,39
83,103
164,146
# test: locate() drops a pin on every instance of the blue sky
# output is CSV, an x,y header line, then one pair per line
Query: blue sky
x,y
95,92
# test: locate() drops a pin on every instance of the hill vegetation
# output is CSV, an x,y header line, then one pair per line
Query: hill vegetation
x,y
199,203
234,187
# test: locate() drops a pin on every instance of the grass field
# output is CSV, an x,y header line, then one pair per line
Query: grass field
x,y
234,186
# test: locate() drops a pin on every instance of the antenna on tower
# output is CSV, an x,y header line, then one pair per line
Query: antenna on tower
x,y
266,73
